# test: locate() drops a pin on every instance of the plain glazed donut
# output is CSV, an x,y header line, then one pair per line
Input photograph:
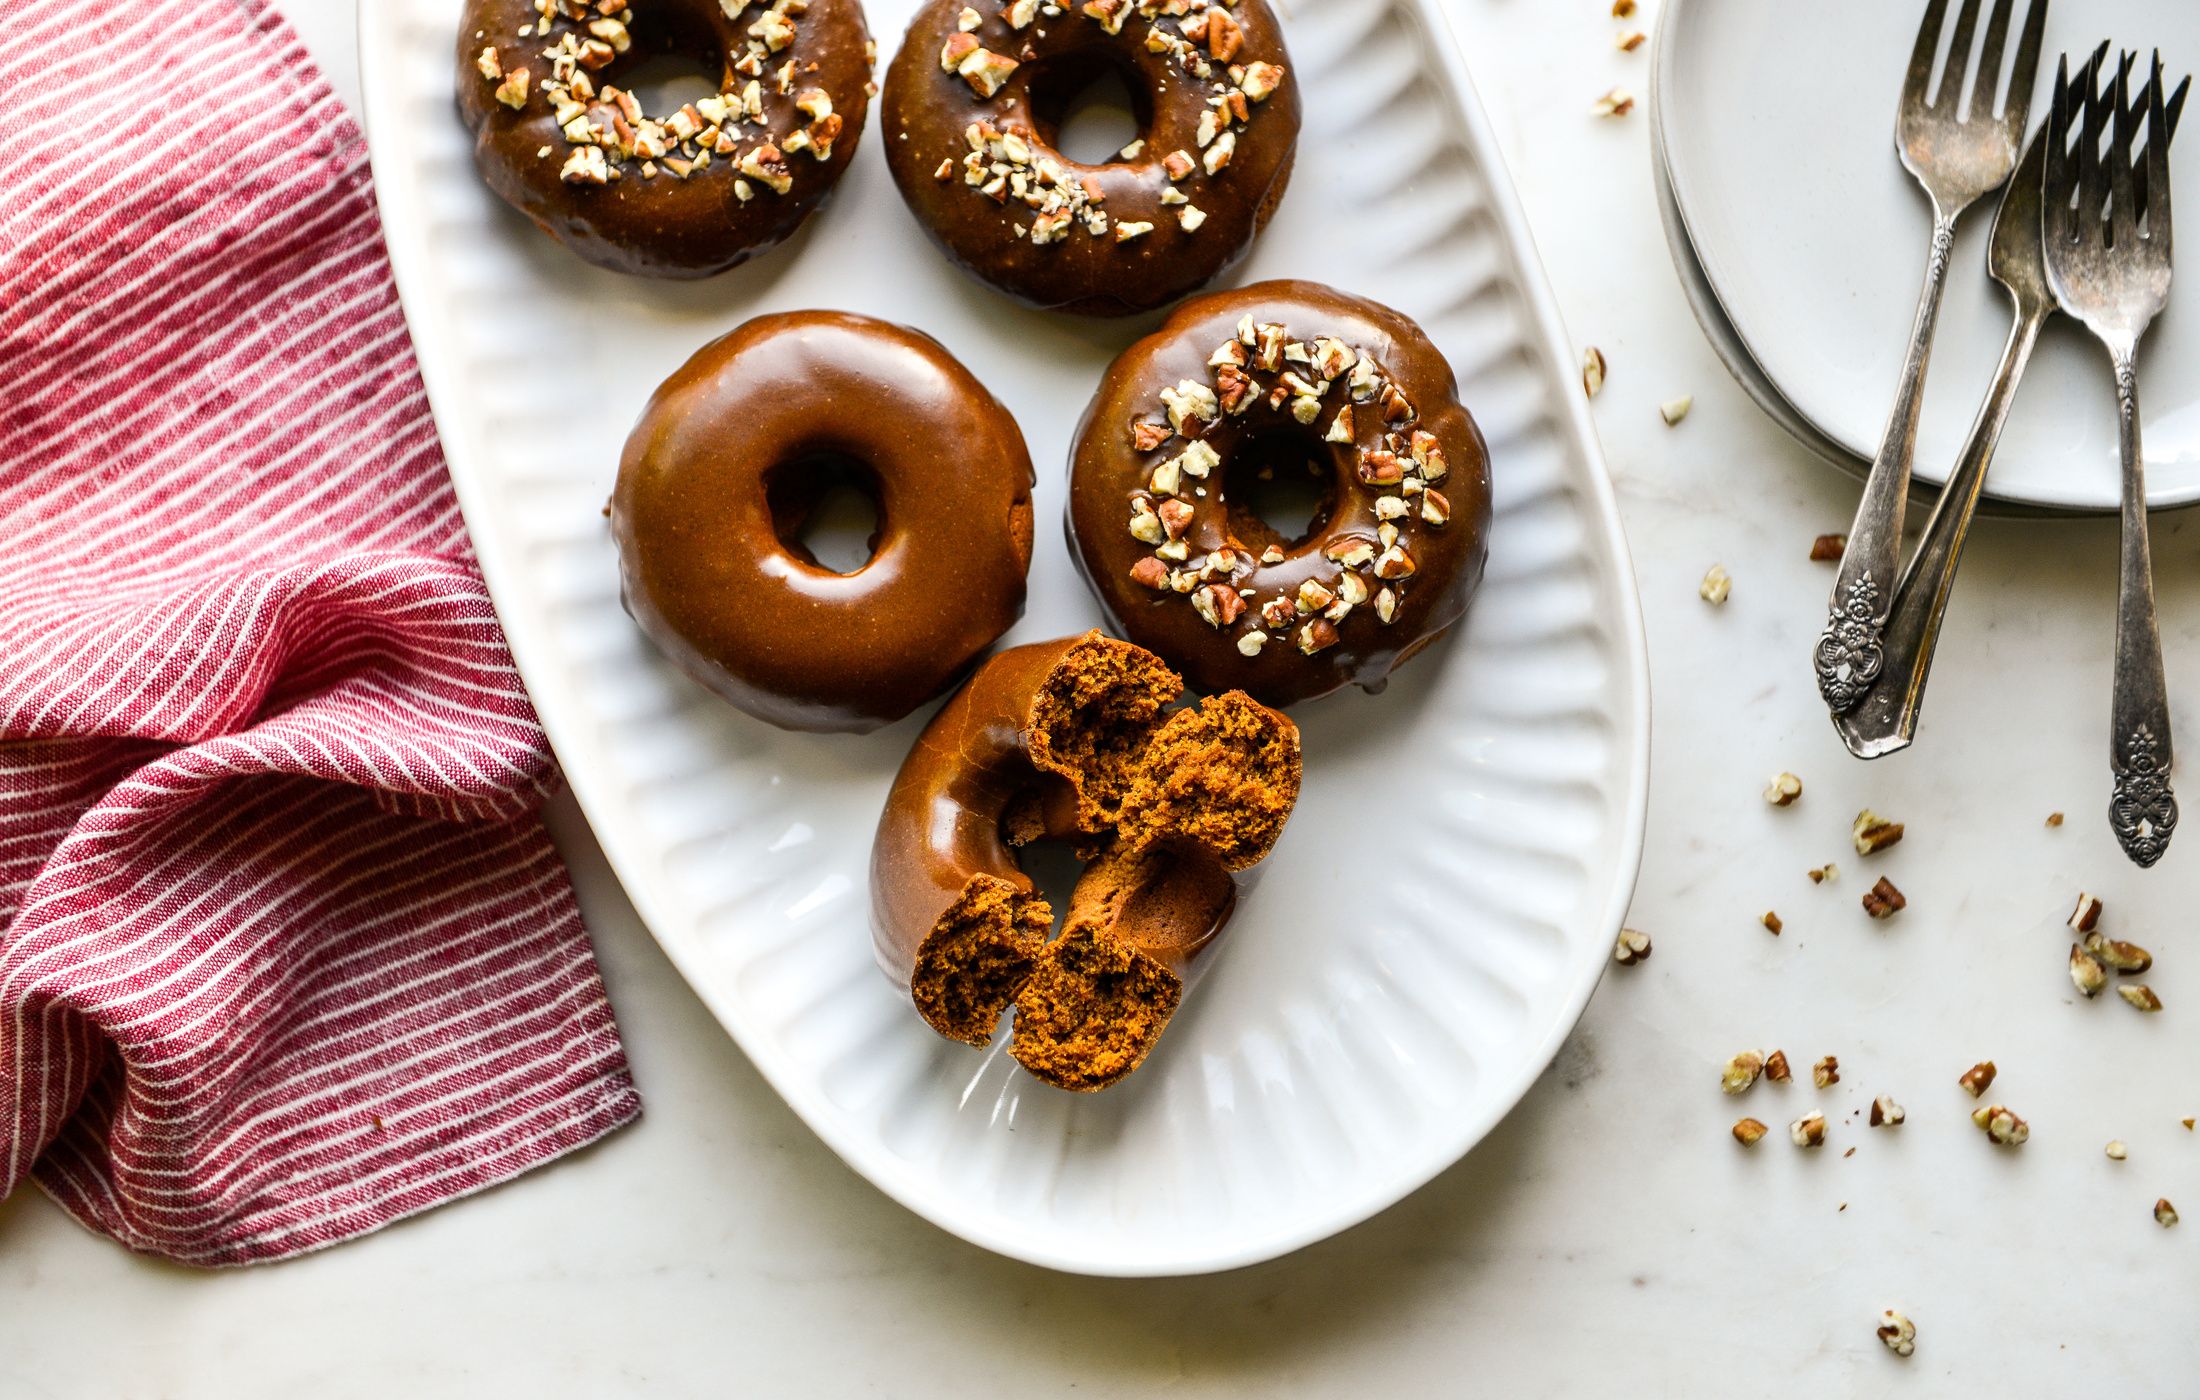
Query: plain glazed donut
x,y
734,450
1299,373
1073,739
972,114
666,194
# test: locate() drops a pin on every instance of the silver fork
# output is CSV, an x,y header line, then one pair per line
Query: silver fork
x,y
1887,719
1958,158
2114,278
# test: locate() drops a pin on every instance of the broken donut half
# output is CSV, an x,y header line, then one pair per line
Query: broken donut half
x,y
1076,740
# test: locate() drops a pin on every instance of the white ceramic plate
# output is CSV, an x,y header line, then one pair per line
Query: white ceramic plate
x,y
1711,317
1778,127
1447,894
1727,343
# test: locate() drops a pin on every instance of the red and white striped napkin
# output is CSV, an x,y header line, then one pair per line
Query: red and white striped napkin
x,y
285,953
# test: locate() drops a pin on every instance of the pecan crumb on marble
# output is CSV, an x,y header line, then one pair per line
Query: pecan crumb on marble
x,y
2127,958
1897,1333
1631,947
2087,973
1978,1078
1871,833
2086,914
1883,900
1748,1132
2004,1127
1741,1071
2140,995
1828,549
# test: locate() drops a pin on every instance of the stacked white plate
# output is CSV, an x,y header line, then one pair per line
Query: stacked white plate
x,y
1801,242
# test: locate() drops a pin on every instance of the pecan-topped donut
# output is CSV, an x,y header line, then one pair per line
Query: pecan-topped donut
x,y
667,194
735,450
973,109
1292,376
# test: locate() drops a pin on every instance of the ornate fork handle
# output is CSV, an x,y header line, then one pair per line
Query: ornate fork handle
x,y
1852,650
1886,721
2143,810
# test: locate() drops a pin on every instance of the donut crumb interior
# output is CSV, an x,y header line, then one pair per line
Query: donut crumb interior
x,y
1093,722
1224,775
977,956
1091,1010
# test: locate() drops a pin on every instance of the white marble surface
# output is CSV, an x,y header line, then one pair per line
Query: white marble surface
x,y
1609,1238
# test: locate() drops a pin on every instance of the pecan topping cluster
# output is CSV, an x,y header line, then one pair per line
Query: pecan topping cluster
x,y
1006,166
607,134
1264,370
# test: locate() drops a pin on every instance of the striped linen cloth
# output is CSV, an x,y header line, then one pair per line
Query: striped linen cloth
x,y
285,953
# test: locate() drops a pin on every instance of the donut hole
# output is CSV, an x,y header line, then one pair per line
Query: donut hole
x,y
678,56
826,509
666,78
1170,894
1089,105
1054,868
1280,491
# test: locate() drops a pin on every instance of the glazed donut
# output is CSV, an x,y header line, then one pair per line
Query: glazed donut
x,y
736,448
1073,739
973,111
666,194
1290,376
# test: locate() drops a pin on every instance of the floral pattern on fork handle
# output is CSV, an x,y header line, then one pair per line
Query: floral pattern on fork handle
x,y
2143,810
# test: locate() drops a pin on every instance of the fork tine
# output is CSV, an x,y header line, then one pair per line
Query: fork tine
x,y
1989,64
2161,126
2092,192
2056,180
2173,109
2026,71
1921,57
2123,213
1959,60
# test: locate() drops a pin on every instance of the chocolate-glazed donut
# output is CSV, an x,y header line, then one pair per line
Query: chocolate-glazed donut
x,y
1275,376
733,451
1072,739
666,194
972,114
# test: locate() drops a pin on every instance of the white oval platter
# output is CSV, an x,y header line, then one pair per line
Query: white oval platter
x,y
1447,894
